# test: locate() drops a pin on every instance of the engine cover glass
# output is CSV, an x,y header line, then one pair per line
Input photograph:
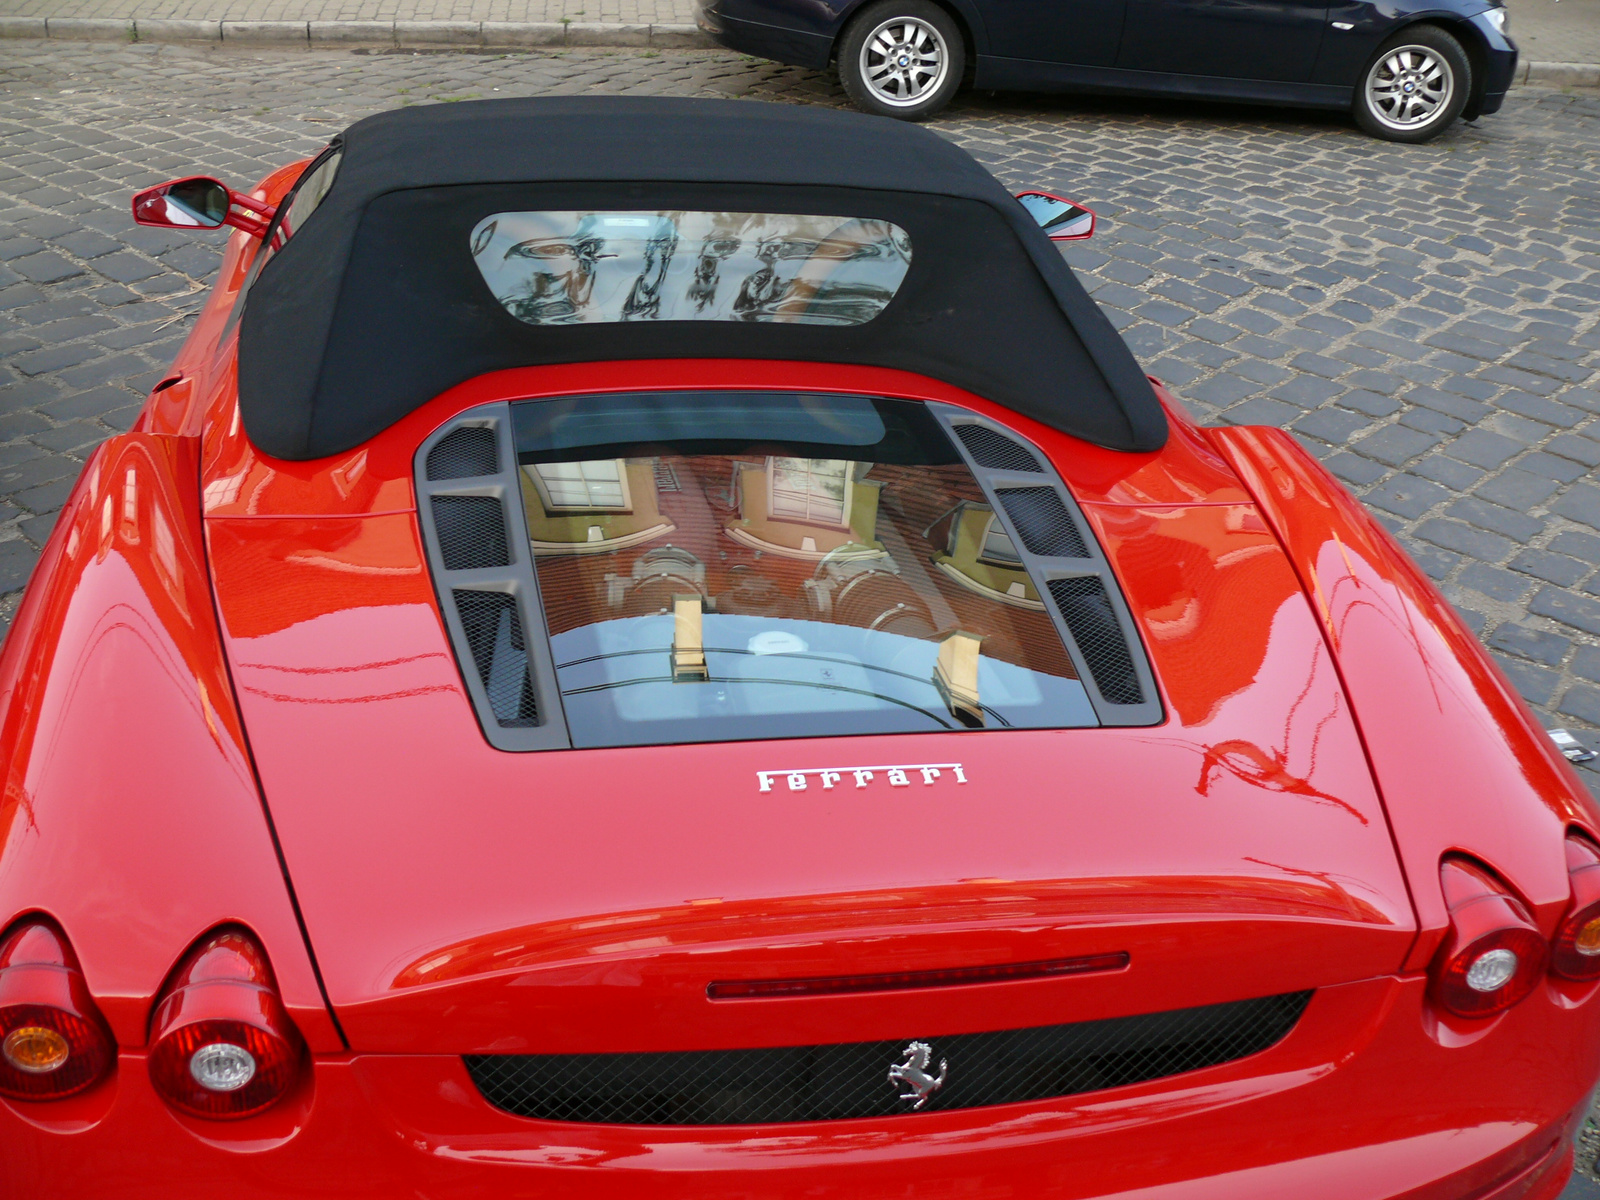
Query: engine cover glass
x,y
716,568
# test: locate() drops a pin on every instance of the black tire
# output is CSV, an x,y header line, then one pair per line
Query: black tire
x,y
1414,87
909,71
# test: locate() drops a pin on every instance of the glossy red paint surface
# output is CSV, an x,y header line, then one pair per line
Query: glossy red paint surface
x,y
1461,762
1246,832
130,813
1358,1103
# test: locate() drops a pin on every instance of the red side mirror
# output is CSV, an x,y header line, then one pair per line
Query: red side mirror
x,y
200,202
1064,220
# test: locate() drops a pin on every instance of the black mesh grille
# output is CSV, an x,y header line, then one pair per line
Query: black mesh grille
x,y
472,532
494,633
1087,610
1042,522
826,1083
466,454
994,450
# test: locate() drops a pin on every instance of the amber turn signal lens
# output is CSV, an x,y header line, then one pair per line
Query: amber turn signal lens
x,y
1575,952
53,1041
35,1049
1494,955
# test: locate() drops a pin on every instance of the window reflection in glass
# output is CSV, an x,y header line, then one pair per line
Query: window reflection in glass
x,y
566,268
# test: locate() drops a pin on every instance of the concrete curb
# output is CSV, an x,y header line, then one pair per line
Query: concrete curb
x,y
400,34
1552,74
483,35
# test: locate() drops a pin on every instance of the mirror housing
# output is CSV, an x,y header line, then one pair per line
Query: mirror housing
x,y
200,202
1062,219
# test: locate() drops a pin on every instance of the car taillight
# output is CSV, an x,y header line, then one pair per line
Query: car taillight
x,y
1494,955
221,1044
53,1041
1575,952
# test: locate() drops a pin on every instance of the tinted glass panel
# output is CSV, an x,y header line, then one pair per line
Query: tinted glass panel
x,y
573,268
718,567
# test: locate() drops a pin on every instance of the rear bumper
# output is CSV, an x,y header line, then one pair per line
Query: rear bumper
x,y
1360,1102
799,47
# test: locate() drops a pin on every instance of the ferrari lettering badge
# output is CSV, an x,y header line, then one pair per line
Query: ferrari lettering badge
x,y
913,1073
831,777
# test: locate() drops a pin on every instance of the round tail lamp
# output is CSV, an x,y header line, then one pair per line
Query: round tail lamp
x,y
53,1041
222,1046
1495,954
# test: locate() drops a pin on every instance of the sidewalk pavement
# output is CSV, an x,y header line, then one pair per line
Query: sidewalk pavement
x,y
1559,39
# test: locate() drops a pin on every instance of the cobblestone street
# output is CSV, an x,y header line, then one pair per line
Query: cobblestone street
x,y
1426,318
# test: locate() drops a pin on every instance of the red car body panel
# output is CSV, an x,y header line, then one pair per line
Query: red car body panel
x,y
549,900
130,810
1281,830
1418,681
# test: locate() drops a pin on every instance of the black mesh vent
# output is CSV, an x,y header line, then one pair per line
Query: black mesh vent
x,y
1042,522
472,532
828,1083
1087,610
994,450
494,634
466,454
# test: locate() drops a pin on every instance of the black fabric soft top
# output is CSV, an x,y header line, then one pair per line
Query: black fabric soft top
x,y
374,306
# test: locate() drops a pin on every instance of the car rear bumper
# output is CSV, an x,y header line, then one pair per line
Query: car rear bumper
x,y
798,47
1365,1099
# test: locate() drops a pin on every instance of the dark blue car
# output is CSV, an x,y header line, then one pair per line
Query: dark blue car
x,y
1405,68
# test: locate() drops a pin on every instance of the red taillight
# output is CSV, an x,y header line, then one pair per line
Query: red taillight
x,y
53,1041
1575,952
221,1044
1494,955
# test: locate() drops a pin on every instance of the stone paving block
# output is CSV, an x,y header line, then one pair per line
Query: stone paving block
x,y
1407,495
1581,503
1535,644
1552,568
1537,685
1494,582
1568,608
1484,449
1395,444
1582,702
1586,662
1464,539
1580,545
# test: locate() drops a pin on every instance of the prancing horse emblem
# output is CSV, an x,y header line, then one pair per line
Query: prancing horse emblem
x,y
913,1073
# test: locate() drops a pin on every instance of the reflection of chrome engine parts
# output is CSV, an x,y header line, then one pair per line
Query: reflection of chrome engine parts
x,y
658,575
868,593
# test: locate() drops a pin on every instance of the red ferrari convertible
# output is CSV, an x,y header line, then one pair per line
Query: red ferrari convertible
x,y
666,648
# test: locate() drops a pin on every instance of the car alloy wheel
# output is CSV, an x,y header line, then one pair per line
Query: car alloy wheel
x,y
1409,87
904,61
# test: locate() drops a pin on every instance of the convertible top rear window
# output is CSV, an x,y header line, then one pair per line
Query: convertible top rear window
x,y
721,568
572,267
